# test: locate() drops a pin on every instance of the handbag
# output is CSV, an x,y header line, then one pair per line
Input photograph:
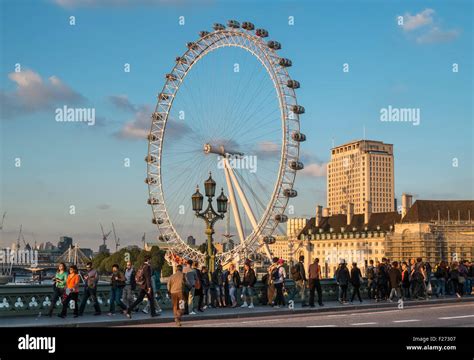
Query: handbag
x,y
461,279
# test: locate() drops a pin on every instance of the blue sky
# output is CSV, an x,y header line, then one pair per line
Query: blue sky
x,y
407,66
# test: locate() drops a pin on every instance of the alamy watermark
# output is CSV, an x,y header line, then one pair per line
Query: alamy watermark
x,y
245,162
393,114
67,114
20,257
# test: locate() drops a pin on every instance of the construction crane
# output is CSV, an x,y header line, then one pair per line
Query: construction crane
x,y
143,240
104,235
117,240
20,236
3,220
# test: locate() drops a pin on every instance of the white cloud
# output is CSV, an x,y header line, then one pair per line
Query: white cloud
x,y
436,35
412,22
425,28
122,102
314,170
33,94
139,126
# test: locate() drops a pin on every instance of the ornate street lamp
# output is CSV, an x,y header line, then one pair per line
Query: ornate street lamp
x,y
210,216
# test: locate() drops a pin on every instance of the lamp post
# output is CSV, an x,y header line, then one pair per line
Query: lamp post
x,y
210,216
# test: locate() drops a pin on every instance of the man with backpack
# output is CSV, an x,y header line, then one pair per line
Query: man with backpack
x,y
270,281
91,279
314,273
278,278
192,280
298,274
144,282
371,280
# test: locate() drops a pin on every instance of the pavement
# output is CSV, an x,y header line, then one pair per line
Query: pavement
x,y
369,313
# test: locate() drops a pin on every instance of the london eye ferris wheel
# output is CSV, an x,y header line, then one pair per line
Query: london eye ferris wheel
x,y
228,106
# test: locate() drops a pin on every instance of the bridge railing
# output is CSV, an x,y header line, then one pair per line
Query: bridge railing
x,y
16,300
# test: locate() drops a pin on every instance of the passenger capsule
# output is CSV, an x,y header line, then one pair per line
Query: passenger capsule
x,y
163,96
261,33
233,24
181,60
171,77
290,193
248,26
297,109
218,27
153,201
293,84
152,137
192,45
297,136
150,159
275,45
296,165
281,218
156,116
158,221
269,240
150,181
203,33
285,62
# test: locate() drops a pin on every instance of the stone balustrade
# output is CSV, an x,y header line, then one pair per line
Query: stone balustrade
x,y
34,300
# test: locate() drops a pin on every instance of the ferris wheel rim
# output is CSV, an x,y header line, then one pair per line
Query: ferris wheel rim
x,y
266,224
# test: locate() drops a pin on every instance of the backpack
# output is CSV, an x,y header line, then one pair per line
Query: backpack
x,y
197,283
140,276
370,273
295,272
276,274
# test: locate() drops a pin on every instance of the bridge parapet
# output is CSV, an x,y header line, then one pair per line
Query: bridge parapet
x,y
17,300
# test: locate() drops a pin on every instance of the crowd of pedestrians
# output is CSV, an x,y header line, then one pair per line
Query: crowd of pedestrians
x,y
192,288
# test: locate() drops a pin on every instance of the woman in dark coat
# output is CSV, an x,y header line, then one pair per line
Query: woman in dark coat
x,y
342,279
356,277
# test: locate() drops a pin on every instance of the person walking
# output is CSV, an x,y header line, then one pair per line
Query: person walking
x,y
463,276
248,284
206,288
143,280
218,284
117,283
382,282
342,279
270,282
356,280
370,273
191,280
198,292
441,275
233,282
278,276
156,286
91,279
405,281
395,279
176,284
71,292
454,275
130,284
418,277
298,274
314,274
59,285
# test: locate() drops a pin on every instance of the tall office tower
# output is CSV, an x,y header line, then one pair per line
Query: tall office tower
x,y
361,173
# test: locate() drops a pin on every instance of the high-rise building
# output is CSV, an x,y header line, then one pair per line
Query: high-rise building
x,y
360,175
65,242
